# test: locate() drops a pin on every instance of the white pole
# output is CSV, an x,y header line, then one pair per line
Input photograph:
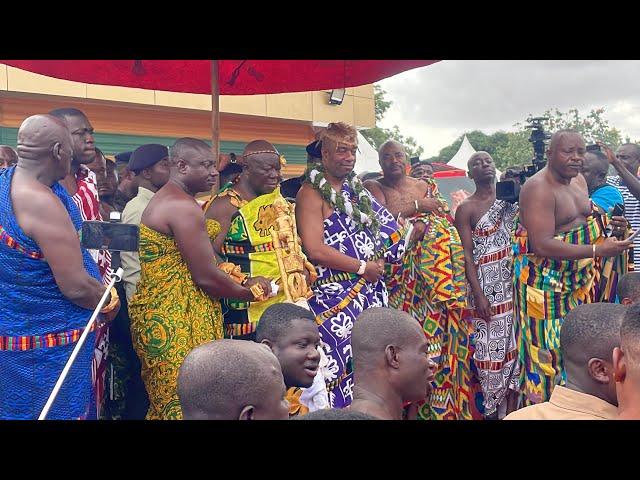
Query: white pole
x,y
116,277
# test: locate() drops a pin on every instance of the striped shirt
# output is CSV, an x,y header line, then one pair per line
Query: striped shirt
x,y
631,213
88,202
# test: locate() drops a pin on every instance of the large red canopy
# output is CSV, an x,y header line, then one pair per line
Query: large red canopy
x,y
236,77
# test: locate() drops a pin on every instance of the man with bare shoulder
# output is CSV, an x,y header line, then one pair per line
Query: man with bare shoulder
x,y
558,243
176,305
49,285
347,234
429,283
485,226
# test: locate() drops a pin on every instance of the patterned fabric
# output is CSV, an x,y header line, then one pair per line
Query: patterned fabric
x,y
631,213
496,350
88,203
170,316
340,297
545,291
39,326
430,285
610,269
248,243
296,408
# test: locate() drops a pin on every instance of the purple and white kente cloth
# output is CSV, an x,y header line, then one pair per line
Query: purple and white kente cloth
x,y
340,296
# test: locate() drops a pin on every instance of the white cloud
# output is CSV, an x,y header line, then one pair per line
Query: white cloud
x,y
436,104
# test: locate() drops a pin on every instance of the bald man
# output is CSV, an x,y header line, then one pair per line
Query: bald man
x,y
246,216
176,305
212,387
8,156
588,337
49,285
391,363
626,365
434,296
560,242
485,225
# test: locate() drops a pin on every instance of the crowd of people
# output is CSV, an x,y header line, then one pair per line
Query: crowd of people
x,y
327,296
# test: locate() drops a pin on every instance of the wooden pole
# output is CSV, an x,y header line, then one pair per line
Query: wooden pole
x,y
215,114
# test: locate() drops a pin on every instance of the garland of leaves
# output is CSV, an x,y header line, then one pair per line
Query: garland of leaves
x,y
362,213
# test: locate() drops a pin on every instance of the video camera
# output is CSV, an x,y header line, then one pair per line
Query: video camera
x,y
509,190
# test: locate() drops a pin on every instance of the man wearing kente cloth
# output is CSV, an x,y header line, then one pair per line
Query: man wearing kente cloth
x,y
247,214
429,284
348,235
558,242
49,286
176,304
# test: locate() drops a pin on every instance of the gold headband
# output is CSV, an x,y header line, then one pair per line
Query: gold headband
x,y
283,161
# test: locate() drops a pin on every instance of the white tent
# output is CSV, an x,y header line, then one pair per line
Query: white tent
x,y
366,157
463,155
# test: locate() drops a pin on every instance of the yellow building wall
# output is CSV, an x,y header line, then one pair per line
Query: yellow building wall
x,y
357,108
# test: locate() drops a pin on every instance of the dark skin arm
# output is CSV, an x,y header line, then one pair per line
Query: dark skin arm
x,y
309,219
463,225
407,208
221,211
630,180
187,225
537,211
43,218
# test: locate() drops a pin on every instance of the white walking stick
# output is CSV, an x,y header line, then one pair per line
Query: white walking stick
x,y
115,277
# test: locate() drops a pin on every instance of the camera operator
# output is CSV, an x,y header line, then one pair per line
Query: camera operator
x,y
556,229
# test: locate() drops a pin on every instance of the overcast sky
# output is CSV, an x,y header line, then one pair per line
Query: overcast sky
x,y
436,104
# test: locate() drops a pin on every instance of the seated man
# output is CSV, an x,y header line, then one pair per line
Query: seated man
x,y
391,364
232,380
594,170
291,333
626,366
629,288
589,333
336,414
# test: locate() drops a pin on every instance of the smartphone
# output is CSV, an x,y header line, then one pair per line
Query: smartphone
x,y
118,237
618,210
593,148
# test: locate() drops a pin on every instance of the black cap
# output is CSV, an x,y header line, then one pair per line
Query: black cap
x,y
123,157
147,156
315,149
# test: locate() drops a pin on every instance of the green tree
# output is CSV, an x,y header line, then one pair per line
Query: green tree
x,y
514,149
377,136
592,127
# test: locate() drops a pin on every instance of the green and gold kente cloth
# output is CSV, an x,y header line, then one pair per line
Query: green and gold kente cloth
x,y
170,316
545,290
249,244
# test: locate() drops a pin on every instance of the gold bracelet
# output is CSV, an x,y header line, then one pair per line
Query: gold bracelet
x,y
594,251
115,300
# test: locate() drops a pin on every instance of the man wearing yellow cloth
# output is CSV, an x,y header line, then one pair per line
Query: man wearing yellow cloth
x,y
558,243
176,308
247,212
